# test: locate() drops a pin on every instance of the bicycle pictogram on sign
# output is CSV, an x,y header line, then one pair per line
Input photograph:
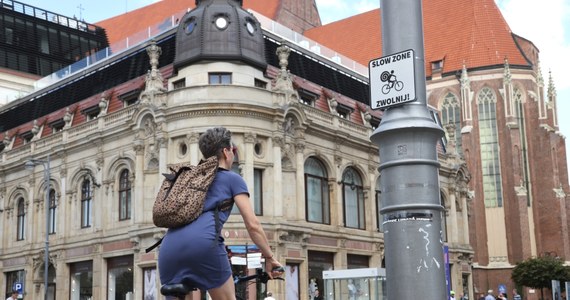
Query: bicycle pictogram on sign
x,y
391,82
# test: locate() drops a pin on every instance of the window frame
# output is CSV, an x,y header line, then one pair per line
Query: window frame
x,y
52,206
86,203
21,219
325,202
222,78
125,196
359,192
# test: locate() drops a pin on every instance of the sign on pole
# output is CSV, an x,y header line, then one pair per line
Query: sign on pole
x,y
392,80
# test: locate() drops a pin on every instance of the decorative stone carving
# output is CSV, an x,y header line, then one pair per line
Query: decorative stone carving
x,y
35,128
288,126
154,83
284,80
67,118
507,76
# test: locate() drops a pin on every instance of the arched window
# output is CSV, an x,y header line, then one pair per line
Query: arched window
x,y
21,234
379,206
492,190
124,196
52,206
316,192
353,199
86,203
451,114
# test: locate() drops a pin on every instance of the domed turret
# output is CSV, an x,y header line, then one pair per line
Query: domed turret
x,y
219,30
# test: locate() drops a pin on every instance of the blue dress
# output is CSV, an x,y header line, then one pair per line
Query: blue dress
x,y
189,254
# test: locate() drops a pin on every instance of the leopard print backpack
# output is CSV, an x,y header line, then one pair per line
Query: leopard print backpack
x,y
182,193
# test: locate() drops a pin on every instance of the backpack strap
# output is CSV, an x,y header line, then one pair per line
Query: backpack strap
x,y
223,206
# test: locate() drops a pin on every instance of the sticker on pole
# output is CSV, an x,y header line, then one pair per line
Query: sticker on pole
x,y
392,80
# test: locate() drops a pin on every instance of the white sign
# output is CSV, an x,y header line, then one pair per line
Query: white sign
x,y
392,80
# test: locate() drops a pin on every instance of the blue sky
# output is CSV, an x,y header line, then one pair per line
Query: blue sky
x,y
546,24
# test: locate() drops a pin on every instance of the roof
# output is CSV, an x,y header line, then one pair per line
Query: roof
x,y
125,25
470,32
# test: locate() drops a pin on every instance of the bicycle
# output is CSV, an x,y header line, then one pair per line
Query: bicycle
x,y
180,290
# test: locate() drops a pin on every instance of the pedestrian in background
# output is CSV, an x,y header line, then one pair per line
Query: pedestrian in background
x,y
516,295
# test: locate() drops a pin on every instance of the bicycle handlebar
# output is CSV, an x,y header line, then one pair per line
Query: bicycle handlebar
x,y
260,276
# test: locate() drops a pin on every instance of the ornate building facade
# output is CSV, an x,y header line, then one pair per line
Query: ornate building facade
x,y
110,130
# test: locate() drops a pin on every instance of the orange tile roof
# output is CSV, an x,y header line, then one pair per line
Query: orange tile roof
x,y
470,32
122,26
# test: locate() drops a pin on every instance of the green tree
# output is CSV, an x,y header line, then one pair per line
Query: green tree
x,y
538,272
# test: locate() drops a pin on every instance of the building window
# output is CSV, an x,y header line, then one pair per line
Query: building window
x,y
124,196
258,191
354,261
130,98
316,192
86,203
57,125
437,65
489,140
435,117
120,278
220,78
52,211
12,278
353,199
178,84
375,122
81,280
27,137
21,228
451,114
92,112
292,281
319,262
260,83
379,217
149,284
307,98
344,111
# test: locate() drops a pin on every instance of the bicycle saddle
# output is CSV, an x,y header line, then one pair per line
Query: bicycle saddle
x,y
179,290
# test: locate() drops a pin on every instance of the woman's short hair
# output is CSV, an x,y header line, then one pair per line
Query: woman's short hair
x,y
214,140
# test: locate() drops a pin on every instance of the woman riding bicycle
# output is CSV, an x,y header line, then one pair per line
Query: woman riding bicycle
x,y
195,254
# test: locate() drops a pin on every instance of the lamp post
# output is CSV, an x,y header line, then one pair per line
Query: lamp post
x,y
30,164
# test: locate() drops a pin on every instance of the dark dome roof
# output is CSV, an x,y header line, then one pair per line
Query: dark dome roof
x,y
219,30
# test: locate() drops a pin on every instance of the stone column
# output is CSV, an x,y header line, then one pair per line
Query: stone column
x,y
453,216
195,153
138,186
277,178
162,142
465,213
300,180
249,141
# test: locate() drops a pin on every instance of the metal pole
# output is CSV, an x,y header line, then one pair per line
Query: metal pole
x,y
46,207
409,171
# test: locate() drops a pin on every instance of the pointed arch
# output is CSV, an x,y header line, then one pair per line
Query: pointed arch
x,y
489,143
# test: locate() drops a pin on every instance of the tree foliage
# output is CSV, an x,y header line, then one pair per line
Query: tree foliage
x,y
538,272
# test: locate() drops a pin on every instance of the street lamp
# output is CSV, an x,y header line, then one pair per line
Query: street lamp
x,y
30,164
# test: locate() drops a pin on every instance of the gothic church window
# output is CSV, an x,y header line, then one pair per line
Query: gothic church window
x,y
451,114
489,141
